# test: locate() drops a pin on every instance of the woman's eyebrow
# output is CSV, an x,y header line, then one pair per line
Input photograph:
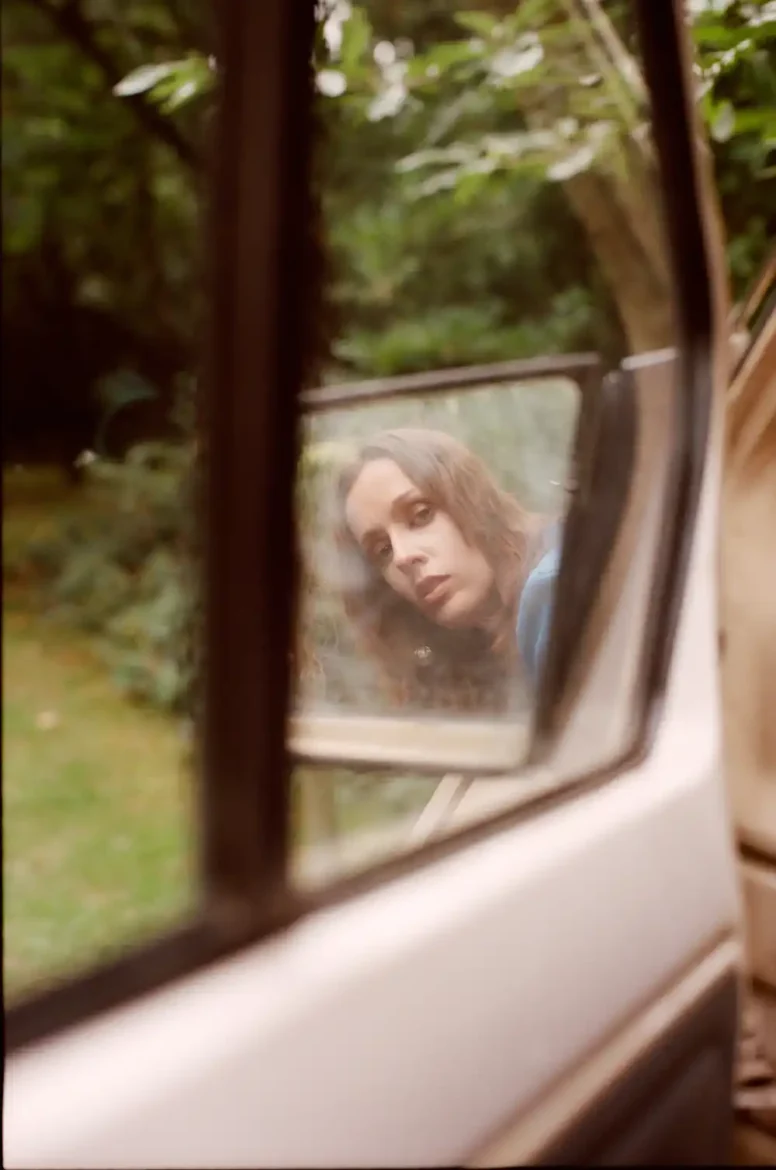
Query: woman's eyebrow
x,y
411,496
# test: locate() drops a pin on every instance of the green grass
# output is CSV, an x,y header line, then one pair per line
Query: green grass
x,y
98,835
37,505
97,828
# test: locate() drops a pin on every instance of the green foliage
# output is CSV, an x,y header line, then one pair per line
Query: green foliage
x,y
172,84
78,164
445,251
101,209
117,571
443,128
533,94
737,89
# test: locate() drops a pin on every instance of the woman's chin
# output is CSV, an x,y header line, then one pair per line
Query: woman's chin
x,y
455,613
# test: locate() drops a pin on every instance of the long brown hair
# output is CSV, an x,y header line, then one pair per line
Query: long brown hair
x,y
424,663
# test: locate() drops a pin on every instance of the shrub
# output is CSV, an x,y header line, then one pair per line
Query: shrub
x,y
115,569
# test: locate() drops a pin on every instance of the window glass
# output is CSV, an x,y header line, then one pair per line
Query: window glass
x,y
395,498
102,289
489,194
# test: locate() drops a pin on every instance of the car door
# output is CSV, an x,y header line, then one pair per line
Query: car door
x,y
549,971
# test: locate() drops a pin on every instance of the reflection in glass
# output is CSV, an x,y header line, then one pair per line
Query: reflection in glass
x,y
431,551
436,558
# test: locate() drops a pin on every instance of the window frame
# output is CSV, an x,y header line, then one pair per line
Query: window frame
x,y
261,264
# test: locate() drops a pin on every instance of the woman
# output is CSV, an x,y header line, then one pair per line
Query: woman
x,y
446,577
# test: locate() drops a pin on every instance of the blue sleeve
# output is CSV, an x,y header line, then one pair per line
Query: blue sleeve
x,y
535,611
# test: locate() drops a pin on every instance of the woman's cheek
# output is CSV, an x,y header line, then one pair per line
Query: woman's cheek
x,y
441,537
399,583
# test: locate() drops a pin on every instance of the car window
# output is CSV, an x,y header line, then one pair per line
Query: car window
x,y
478,207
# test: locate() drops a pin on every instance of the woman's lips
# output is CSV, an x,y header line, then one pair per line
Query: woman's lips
x,y
432,590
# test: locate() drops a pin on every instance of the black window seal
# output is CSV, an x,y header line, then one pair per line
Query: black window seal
x,y
581,368
664,41
255,370
218,933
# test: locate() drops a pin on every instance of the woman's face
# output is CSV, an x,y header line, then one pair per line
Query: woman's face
x,y
418,549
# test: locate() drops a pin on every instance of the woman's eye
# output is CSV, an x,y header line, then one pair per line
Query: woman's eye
x,y
422,514
381,553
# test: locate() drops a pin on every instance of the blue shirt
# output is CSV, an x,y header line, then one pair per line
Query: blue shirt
x,y
535,612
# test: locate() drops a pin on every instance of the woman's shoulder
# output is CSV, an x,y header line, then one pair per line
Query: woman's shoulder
x,y
537,591
533,615
546,568
545,559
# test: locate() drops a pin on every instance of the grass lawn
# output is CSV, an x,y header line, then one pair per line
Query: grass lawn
x,y
97,831
98,837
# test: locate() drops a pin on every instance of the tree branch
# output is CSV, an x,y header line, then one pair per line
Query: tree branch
x,y
69,20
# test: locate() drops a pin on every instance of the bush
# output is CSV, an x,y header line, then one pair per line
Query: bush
x,y
112,560
115,569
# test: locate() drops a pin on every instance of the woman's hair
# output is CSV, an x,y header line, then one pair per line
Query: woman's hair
x,y
425,663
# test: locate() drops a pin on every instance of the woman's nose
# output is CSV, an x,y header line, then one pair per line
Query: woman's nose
x,y
407,555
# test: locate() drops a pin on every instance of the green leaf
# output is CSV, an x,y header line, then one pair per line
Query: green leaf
x,y
760,121
181,96
356,39
573,164
172,84
713,34
146,77
724,123
441,60
482,24
522,59
436,156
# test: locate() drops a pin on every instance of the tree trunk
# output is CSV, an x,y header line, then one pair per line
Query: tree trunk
x,y
638,278
617,200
